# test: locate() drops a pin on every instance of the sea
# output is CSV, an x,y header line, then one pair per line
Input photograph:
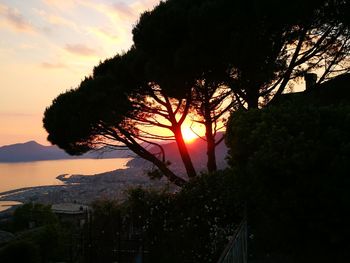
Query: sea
x,y
41,173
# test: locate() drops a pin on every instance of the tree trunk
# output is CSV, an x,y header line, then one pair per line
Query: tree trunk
x,y
211,162
185,156
253,99
208,122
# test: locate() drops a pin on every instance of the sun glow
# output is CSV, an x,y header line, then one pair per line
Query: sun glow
x,y
188,135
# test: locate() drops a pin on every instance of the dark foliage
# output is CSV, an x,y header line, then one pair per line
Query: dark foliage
x,y
32,214
40,237
292,165
76,117
192,225
20,251
255,47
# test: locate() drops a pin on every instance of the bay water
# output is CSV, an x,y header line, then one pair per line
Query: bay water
x,y
41,173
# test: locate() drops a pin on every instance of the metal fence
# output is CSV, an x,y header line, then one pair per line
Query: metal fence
x,y
236,250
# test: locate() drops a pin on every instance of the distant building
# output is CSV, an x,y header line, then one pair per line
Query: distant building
x,y
76,214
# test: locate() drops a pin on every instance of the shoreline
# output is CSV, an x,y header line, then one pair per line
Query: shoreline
x,y
25,189
62,177
8,206
85,189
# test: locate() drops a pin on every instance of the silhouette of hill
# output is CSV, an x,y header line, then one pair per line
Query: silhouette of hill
x,y
33,151
197,150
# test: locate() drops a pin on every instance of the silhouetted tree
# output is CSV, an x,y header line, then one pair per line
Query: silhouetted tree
x,y
202,56
37,214
255,49
112,108
261,46
212,102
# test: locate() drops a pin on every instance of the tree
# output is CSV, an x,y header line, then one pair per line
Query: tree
x,y
259,46
113,107
152,106
254,49
38,214
212,102
198,56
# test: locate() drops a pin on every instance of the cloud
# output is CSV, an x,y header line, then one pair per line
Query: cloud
x,y
48,65
17,114
103,33
124,10
55,19
15,19
144,5
80,49
120,11
59,4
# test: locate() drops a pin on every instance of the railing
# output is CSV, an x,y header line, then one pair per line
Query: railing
x,y
236,250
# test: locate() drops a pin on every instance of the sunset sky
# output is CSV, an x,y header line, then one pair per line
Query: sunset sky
x,y
47,47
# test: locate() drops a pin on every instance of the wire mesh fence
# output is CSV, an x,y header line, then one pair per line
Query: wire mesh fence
x,y
236,250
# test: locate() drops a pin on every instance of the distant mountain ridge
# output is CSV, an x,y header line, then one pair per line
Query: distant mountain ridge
x,y
33,151
197,150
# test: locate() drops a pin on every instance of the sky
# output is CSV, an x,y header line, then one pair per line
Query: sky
x,y
48,47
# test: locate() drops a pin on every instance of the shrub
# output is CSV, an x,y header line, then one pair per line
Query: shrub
x,y
292,164
192,225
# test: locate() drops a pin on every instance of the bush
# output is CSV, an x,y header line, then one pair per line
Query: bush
x,y
46,241
192,225
20,251
292,164
36,214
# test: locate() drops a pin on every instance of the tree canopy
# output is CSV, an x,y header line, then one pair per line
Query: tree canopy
x,y
203,57
256,47
111,108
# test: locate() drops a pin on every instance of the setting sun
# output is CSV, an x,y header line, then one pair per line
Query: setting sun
x,y
188,135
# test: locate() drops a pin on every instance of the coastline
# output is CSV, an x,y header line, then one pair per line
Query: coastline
x,y
23,189
4,195
85,189
8,206
62,177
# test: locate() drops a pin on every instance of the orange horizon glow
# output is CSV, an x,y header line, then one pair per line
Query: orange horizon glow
x,y
50,46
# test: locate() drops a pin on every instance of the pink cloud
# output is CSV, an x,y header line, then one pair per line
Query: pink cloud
x,y
124,10
48,65
15,19
62,5
80,49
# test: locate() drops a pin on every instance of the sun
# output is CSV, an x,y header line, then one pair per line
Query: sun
x,y
188,135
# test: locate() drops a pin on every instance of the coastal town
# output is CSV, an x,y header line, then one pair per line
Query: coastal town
x,y
85,189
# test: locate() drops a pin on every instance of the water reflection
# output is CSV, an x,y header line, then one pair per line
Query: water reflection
x,y
28,174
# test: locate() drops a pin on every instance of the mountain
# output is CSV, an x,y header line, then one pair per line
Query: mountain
x,y
197,150
33,151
